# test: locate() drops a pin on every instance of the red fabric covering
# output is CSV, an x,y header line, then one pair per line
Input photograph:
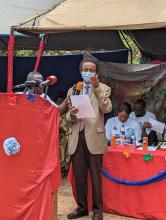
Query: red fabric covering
x,y
10,63
29,178
141,202
156,61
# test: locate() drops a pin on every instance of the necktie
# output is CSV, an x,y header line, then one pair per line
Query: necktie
x,y
82,121
87,90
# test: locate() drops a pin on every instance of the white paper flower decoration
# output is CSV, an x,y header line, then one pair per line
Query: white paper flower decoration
x,y
11,146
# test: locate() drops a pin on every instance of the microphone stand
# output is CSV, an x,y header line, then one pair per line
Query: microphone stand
x,y
32,89
25,90
46,91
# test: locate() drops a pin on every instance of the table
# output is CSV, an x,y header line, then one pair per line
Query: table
x,y
141,202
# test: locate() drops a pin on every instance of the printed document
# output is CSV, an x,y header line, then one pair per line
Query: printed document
x,y
82,102
157,126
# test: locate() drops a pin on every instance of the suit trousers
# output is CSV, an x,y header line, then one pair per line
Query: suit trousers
x,y
83,161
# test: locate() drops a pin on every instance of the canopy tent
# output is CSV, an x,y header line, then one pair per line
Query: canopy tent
x,y
20,10
73,21
102,15
14,13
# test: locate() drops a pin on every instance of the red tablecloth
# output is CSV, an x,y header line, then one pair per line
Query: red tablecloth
x,y
29,178
142,202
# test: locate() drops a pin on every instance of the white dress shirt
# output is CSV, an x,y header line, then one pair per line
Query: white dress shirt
x,y
90,87
143,119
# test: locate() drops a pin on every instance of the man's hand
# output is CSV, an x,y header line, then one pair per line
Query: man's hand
x,y
146,125
95,81
73,111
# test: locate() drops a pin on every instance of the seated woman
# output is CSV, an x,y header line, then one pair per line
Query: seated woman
x,y
123,125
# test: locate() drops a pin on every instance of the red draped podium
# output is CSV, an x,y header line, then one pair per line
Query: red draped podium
x,y
141,202
29,178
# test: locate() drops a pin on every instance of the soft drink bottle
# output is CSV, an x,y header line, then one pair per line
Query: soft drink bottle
x,y
145,143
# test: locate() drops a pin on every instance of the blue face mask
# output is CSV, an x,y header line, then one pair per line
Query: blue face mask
x,y
86,76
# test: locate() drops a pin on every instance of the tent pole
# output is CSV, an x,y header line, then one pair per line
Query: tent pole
x,y
10,61
38,15
40,51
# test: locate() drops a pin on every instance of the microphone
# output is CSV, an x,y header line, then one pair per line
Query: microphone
x,y
78,89
49,81
30,83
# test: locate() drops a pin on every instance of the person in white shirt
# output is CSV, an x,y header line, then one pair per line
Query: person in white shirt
x,y
141,115
122,123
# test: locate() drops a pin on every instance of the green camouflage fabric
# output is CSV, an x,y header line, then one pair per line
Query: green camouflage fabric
x,y
63,141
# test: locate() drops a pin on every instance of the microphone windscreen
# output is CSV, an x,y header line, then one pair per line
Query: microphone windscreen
x,y
52,79
79,86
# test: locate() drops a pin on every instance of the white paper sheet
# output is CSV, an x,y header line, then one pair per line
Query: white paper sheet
x,y
150,148
157,126
82,102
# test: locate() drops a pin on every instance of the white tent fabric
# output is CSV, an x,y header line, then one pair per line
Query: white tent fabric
x,y
107,14
80,15
12,12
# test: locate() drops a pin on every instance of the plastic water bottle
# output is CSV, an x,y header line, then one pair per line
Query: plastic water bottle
x,y
132,143
122,135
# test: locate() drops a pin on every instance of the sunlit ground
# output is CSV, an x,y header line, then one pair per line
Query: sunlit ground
x,y
66,204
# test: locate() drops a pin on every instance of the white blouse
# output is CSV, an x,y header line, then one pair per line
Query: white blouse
x,y
132,128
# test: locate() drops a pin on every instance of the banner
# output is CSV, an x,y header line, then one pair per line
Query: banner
x,y
132,81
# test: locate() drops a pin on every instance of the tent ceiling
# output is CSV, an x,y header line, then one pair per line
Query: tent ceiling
x,y
83,40
21,42
150,42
